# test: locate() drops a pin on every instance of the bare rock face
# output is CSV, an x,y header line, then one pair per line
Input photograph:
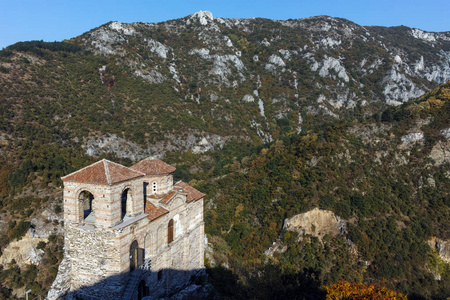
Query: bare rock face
x,y
23,252
111,143
440,153
442,247
316,222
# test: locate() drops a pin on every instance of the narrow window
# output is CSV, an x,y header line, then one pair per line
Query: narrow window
x,y
124,203
170,232
144,189
154,187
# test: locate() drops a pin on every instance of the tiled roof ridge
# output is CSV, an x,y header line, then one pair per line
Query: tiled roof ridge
x,y
165,202
153,166
192,194
108,176
154,212
148,158
108,169
82,169
117,164
181,182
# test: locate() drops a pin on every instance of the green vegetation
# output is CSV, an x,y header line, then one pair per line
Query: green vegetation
x,y
57,96
37,278
395,212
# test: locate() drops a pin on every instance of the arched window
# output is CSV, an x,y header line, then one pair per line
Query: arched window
x,y
148,244
160,238
170,232
154,187
168,184
124,203
86,198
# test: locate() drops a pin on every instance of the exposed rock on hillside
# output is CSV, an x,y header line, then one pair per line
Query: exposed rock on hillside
x,y
23,252
404,62
145,88
316,222
127,149
442,247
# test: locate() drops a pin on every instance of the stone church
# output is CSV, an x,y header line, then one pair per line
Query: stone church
x,y
130,232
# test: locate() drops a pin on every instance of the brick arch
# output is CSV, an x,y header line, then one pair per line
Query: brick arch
x,y
174,203
161,237
149,239
85,204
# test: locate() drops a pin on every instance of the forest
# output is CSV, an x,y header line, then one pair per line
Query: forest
x,y
392,193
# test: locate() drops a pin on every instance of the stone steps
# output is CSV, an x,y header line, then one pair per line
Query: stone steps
x,y
132,284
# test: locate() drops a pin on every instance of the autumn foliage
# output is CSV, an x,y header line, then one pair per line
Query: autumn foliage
x,y
344,290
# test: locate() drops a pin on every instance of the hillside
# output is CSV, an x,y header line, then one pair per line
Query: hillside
x,y
388,180
269,118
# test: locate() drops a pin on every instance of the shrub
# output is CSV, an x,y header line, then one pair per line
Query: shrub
x,y
20,230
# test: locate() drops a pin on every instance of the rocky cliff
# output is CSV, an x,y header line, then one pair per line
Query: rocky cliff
x,y
316,222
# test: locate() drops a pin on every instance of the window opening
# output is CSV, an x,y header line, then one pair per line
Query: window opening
x,y
87,198
144,191
170,232
124,203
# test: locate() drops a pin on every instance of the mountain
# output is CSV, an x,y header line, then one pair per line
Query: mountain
x,y
197,82
270,118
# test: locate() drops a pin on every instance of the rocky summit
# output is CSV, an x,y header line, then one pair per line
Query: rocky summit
x,y
222,79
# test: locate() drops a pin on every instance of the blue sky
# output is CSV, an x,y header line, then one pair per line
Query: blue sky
x,y
50,20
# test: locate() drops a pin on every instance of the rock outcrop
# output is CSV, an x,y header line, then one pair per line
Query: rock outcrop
x,y
316,222
442,247
24,252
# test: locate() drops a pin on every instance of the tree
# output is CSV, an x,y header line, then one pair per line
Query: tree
x,y
344,290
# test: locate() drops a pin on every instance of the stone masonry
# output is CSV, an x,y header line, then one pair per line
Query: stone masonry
x,y
130,232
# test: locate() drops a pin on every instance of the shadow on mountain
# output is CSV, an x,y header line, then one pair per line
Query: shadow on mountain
x,y
266,282
216,283
142,284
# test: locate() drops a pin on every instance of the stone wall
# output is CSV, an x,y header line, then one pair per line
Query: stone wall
x,y
97,250
163,183
106,205
92,254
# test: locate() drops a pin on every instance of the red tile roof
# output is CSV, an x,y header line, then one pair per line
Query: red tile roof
x,y
154,212
153,166
167,197
103,172
192,193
